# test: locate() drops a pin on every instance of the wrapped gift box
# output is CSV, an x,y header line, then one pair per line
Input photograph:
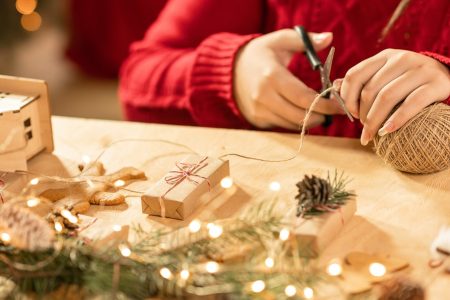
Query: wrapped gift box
x,y
317,232
192,182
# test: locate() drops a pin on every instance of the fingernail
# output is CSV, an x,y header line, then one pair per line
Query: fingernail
x,y
320,37
387,128
364,138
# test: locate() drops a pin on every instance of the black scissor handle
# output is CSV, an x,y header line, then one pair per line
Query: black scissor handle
x,y
309,48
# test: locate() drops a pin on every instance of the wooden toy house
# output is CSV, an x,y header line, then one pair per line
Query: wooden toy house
x,y
25,126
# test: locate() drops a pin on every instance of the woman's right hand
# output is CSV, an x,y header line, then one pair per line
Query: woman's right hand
x,y
267,93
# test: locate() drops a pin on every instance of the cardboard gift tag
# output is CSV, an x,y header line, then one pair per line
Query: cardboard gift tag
x,y
317,232
194,181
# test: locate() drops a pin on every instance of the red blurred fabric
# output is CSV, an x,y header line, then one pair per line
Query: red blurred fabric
x,y
101,31
181,72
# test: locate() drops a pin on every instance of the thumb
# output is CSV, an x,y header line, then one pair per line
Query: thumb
x,y
321,40
290,40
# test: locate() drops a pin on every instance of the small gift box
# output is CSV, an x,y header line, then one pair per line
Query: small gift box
x,y
194,181
317,232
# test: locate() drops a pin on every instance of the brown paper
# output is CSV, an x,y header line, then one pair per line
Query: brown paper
x,y
181,200
316,233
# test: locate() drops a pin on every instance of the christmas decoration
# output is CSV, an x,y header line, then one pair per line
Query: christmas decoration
x,y
92,187
24,230
401,288
25,127
194,181
317,195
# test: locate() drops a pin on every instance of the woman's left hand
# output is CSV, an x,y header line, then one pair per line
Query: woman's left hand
x,y
373,87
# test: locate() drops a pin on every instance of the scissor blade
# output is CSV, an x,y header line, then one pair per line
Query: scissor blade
x,y
342,104
329,63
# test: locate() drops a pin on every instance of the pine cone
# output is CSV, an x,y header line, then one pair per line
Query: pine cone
x,y
28,231
402,289
312,191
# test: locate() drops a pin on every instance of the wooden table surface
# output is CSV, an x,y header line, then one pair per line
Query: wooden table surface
x,y
397,214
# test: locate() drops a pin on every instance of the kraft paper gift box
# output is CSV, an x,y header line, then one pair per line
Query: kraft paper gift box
x,y
314,234
191,183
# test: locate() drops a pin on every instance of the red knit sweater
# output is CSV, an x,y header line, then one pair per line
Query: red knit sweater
x,y
181,72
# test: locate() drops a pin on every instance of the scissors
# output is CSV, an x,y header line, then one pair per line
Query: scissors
x,y
324,70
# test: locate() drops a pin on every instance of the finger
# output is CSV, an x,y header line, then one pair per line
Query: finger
x,y
355,79
289,39
300,95
389,96
413,104
280,106
268,119
387,74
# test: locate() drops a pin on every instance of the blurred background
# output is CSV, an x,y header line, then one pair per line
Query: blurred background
x,y
77,46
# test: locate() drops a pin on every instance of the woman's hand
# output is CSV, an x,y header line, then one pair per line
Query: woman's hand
x,y
267,93
373,88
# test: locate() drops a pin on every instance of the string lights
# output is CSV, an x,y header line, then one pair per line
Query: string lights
x,y
308,293
195,226
165,273
290,290
30,20
269,262
377,269
284,234
214,231
5,237
258,286
212,267
34,181
226,182
33,202
334,268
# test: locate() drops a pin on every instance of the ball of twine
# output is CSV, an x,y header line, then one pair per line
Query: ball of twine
x,y
422,145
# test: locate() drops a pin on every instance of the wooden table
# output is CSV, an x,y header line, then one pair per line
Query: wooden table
x,y
397,214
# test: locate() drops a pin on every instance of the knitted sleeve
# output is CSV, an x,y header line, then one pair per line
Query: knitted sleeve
x,y
185,62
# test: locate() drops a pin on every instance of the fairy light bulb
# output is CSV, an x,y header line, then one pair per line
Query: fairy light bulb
x,y
124,250
5,237
308,293
119,183
226,182
334,268
284,234
58,227
86,159
215,231
65,213
31,22
258,286
34,181
184,274
290,290
195,226
33,202
275,186
212,267
269,262
377,269
116,227
26,7
165,273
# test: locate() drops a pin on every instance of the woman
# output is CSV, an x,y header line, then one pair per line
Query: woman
x,y
232,63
